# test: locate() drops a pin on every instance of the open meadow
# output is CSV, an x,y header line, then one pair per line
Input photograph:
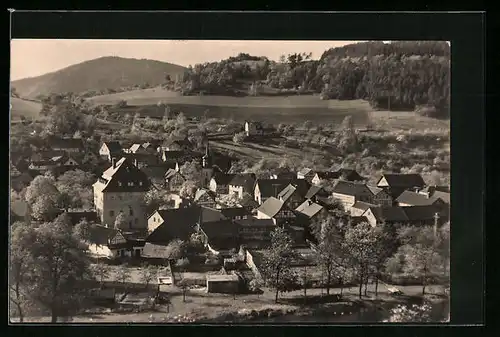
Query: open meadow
x,y
24,108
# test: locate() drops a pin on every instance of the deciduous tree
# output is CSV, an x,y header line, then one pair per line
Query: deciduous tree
x,y
276,264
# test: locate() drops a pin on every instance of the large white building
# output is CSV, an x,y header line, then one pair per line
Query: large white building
x,y
121,189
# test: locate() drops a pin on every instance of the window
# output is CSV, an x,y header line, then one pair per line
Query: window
x,y
120,183
154,219
140,183
111,213
131,212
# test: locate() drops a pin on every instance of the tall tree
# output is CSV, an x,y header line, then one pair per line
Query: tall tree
x,y
330,253
101,271
21,261
360,243
58,266
276,264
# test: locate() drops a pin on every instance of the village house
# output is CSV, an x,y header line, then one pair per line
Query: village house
x,y
248,203
142,160
266,188
219,183
347,193
77,215
361,207
235,213
71,145
121,189
151,147
317,194
178,156
204,197
380,196
18,179
385,214
306,173
411,198
425,215
275,209
220,237
112,243
395,184
174,179
441,192
62,161
137,148
241,184
157,174
324,177
311,210
294,194
254,230
110,150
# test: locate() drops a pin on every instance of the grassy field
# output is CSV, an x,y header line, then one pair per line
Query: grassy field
x,y
21,107
282,109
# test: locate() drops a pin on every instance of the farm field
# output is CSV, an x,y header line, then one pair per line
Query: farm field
x,y
21,107
293,109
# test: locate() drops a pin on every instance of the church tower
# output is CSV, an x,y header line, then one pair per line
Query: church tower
x,y
207,169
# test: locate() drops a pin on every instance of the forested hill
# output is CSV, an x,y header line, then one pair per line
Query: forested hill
x,y
102,74
398,75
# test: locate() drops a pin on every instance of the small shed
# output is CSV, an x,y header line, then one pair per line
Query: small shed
x,y
223,284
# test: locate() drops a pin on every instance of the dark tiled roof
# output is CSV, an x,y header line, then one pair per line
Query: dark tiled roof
x,y
375,190
171,172
315,190
442,195
354,220
156,171
362,205
350,188
422,213
272,187
404,180
305,171
101,235
113,147
271,206
247,180
349,174
147,158
234,211
125,172
211,215
178,224
223,178
248,201
254,222
414,199
220,229
389,213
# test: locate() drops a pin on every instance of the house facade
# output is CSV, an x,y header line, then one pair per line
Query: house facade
x,y
219,183
380,196
205,198
174,180
395,184
347,193
109,150
121,190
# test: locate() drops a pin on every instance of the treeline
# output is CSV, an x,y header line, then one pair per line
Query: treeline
x,y
400,75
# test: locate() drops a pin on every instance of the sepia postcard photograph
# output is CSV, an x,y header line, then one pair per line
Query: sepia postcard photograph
x,y
229,181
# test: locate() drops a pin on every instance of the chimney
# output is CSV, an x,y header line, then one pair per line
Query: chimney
x,y
113,162
135,163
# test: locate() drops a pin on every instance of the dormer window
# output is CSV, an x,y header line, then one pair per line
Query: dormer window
x,y
120,183
130,183
140,183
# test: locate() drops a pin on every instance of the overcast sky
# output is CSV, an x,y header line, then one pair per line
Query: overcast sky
x,y
33,57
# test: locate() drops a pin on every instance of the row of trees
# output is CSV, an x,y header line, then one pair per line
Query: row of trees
x,y
355,253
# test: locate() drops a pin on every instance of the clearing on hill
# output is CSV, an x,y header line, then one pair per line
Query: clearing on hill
x,y
27,109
